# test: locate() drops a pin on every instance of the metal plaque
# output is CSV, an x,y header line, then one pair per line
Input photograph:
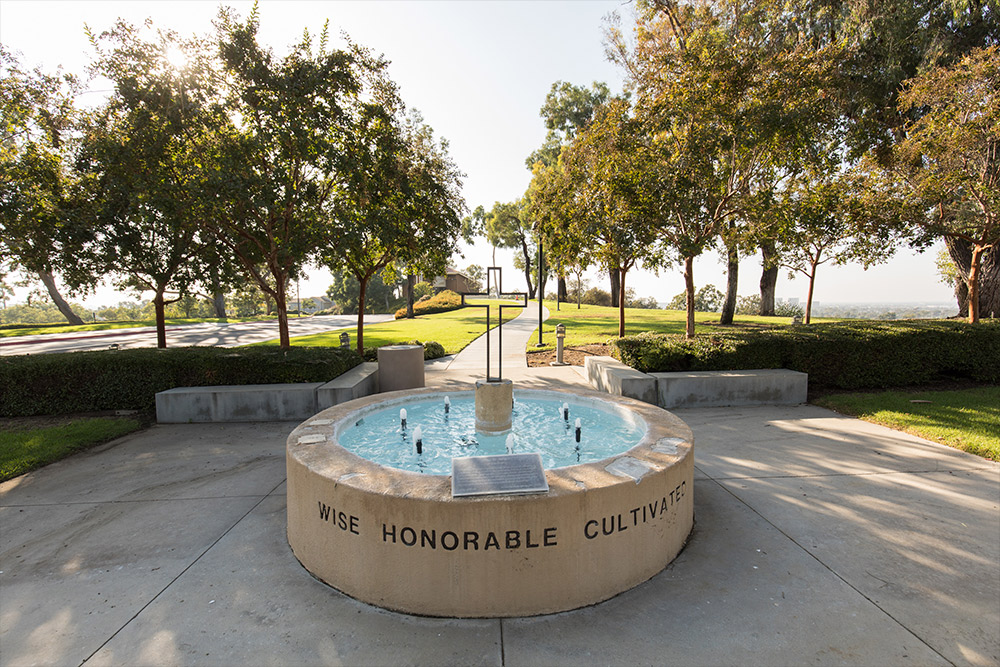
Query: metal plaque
x,y
626,466
495,475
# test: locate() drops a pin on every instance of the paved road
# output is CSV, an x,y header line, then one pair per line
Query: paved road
x,y
219,335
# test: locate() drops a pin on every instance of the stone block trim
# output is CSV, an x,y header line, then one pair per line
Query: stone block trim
x,y
703,389
610,375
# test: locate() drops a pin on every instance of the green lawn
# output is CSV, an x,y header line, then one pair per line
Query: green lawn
x,y
597,324
967,419
25,449
103,326
453,329
588,324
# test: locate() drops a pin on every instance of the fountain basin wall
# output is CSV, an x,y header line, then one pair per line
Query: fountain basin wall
x,y
398,539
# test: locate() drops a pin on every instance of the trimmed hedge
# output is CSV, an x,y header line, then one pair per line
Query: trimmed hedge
x,y
47,384
838,355
432,350
441,302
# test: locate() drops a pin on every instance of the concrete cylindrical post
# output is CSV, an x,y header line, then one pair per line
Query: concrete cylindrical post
x,y
400,367
494,405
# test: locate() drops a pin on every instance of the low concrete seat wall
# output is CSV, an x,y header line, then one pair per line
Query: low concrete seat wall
x,y
703,389
359,381
610,375
237,403
263,402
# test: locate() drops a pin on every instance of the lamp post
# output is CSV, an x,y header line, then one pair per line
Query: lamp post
x,y
540,343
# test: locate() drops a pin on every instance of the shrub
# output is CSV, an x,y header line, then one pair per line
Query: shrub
x,y
439,303
841,355
129,379
432,350
595,296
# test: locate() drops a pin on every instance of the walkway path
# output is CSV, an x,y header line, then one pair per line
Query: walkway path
x,y
819,539
469,365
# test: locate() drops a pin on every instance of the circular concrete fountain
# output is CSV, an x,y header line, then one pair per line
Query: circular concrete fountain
x,y
399,540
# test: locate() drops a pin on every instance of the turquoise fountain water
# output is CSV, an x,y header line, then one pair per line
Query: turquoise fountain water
x,y
447,430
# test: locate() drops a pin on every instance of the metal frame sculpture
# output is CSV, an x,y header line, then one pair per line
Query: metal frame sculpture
x,y
500,294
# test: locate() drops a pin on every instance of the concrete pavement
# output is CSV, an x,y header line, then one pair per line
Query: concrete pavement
x,y
819,539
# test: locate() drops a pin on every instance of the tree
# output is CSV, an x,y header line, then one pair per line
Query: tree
x,y
823,231
279,163
397,201
724,124
476,275
37,198
145,155
550,201
951,155
508,226
943,178
707,300
607,167
567,110
380,296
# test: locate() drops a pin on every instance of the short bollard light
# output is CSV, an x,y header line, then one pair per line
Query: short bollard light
x,y
345,340
560,337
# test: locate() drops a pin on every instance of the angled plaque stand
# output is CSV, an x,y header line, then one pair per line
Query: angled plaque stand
x,y
494,475
500,293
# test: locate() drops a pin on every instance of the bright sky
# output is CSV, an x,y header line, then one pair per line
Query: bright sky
x,y
478,72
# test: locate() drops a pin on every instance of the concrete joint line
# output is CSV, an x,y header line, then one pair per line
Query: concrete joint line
x,y
127,502
184,571
503,657
833,572
852,474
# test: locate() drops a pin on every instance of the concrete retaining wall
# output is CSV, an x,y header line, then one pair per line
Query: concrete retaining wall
x,y
263,402
703,389
610,375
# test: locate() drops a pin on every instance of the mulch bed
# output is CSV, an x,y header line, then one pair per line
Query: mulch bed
x,y
573,356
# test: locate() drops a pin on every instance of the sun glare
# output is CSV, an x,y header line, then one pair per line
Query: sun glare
x,y
175,56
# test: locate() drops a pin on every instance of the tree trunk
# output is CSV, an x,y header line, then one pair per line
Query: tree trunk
x,y
768,278
410,278
960,252
614,288
809,298
219,303
50,284
977,254
962,295
689,291
562,294
732,285
527,270
159,305
284,341
361,315
621,304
